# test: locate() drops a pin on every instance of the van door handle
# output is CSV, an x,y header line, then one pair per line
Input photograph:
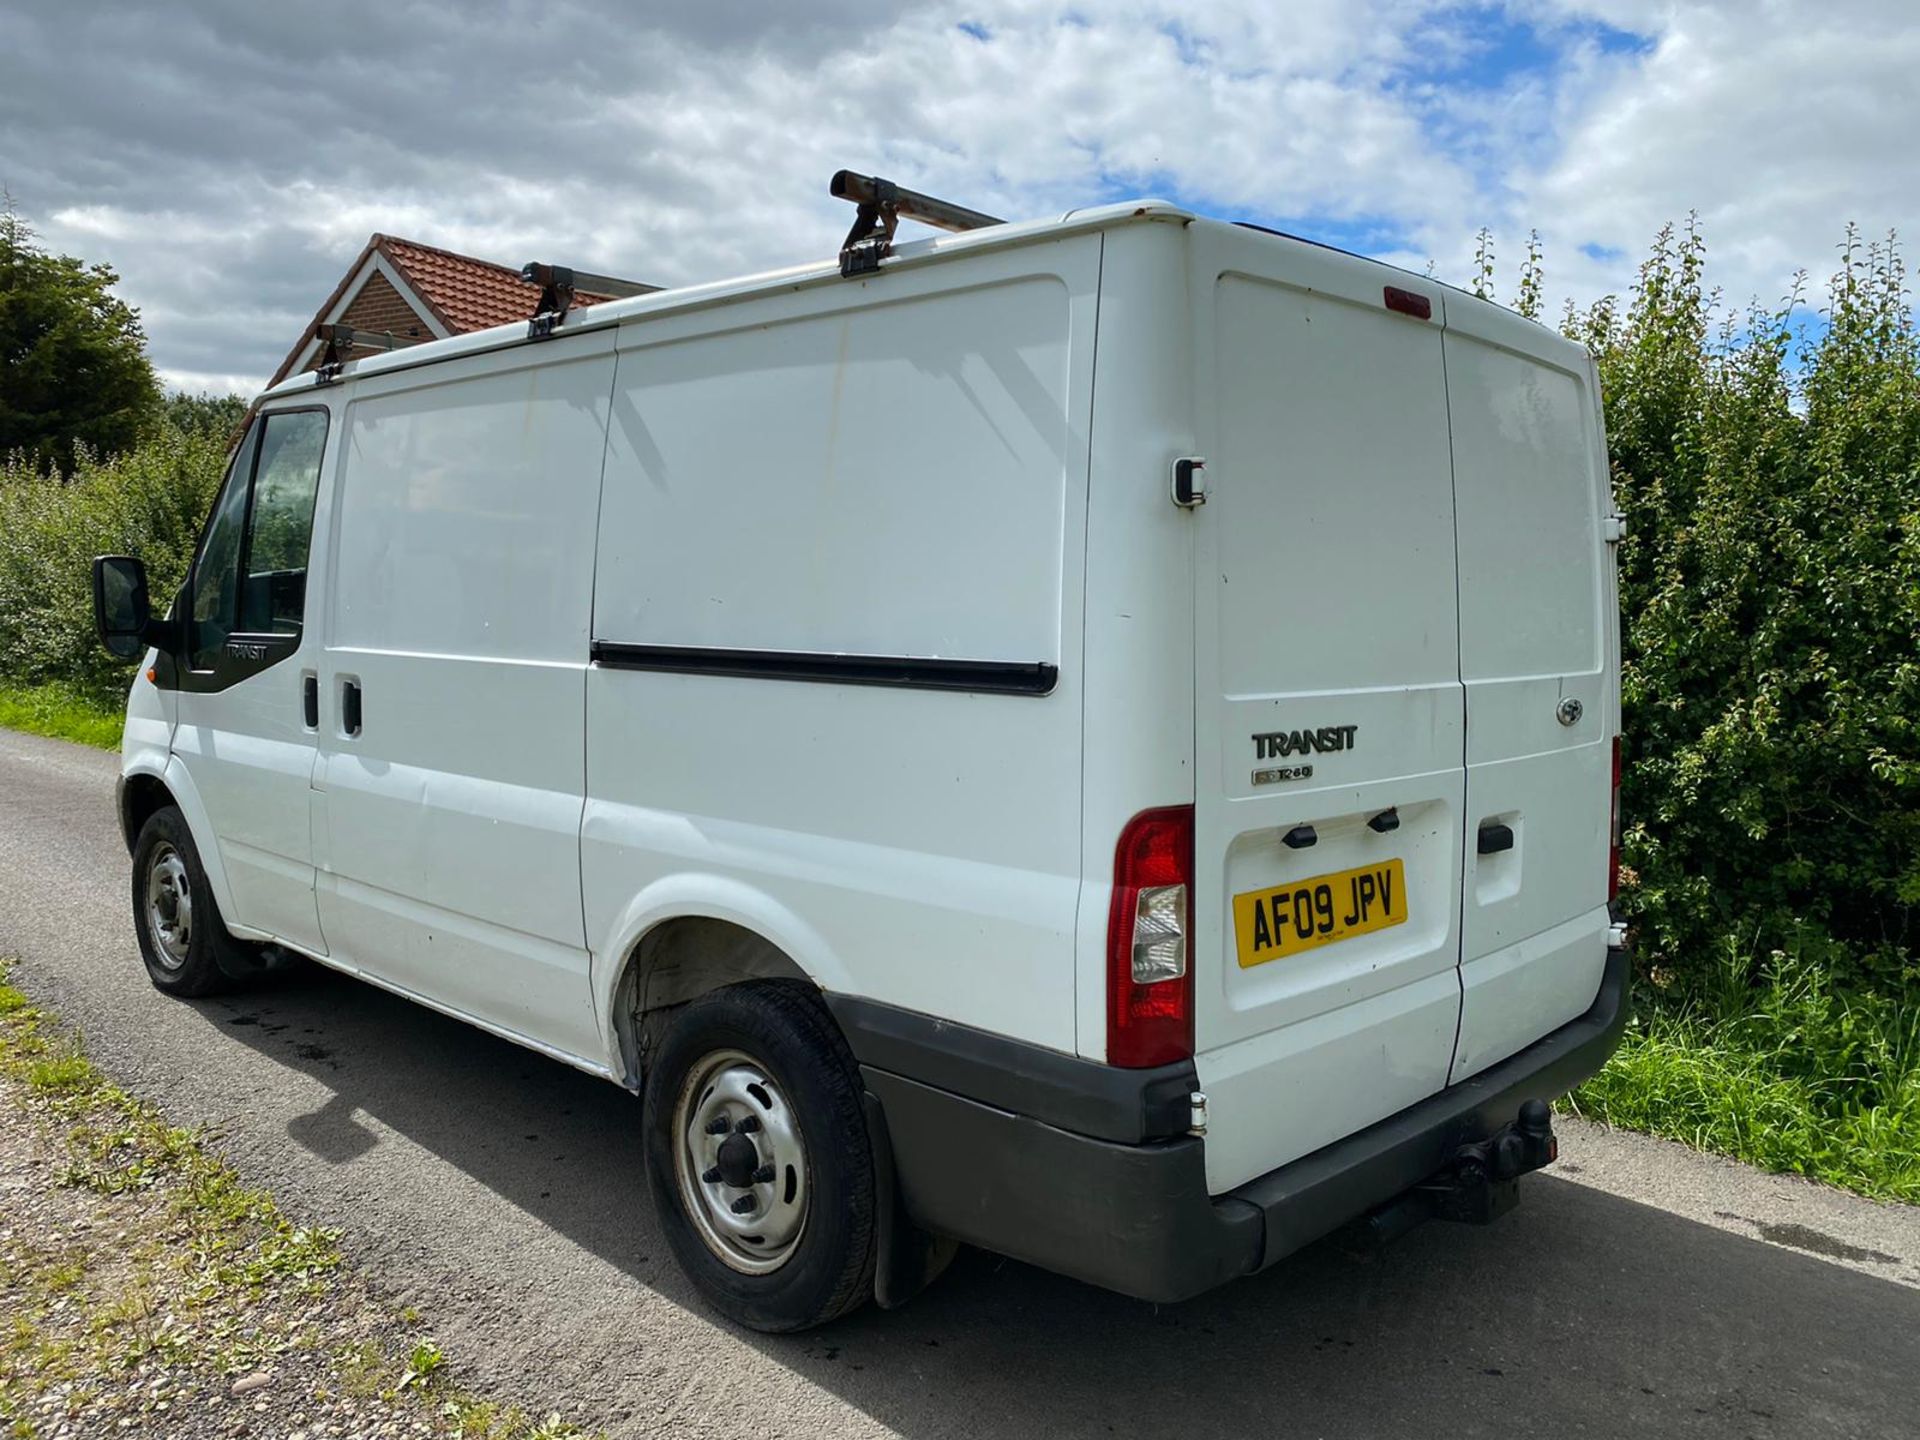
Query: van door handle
x,y
310,701
1495,837
350,706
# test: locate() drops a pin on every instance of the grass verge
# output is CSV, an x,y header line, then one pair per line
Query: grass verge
x,y
148,1290
1784,1071
56,709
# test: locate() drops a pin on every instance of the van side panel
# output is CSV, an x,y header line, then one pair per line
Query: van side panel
x,y
462,585
1530,483
892,468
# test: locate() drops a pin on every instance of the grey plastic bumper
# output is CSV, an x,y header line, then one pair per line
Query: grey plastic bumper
x,y
1137,1218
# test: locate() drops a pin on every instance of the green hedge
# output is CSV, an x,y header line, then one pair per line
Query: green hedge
x,y
1771,598
149,501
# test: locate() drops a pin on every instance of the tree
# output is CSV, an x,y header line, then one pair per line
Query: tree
x,y
216,416
73,363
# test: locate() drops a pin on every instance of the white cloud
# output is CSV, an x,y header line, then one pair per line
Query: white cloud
x,y
230,159
1778,123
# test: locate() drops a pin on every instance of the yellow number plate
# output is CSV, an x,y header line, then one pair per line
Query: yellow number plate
x,y
1272,924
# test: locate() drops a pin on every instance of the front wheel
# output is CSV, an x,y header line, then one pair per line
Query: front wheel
x,y
182,937
759,1159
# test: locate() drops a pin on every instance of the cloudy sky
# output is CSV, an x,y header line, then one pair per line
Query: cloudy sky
x,y
230,157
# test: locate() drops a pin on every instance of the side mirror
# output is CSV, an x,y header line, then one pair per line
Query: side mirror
x,y
122,618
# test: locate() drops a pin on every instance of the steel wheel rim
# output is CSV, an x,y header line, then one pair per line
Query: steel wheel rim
x,y
169,906
758,1161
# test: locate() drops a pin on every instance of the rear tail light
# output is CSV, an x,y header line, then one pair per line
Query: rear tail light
x,y
1149,970
1613,850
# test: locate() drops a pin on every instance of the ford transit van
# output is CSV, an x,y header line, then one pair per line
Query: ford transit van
x,y
1095,739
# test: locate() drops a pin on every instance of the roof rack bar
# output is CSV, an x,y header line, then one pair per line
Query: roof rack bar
x,y
882,203
558,286
534,273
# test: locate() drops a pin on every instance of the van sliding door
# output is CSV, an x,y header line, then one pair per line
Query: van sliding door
x,y
453,685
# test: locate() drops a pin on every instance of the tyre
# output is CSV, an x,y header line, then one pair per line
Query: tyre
x,y
758,1156
182,937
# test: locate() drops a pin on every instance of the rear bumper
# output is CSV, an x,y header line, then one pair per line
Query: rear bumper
x,y
1135,1216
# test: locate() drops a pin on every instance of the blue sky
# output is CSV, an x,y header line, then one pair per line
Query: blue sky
x,y
230,159
1480,50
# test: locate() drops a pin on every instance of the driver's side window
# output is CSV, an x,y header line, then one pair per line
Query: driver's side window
x,y
251,574
214,607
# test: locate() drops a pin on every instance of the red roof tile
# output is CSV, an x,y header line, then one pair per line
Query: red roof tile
x,y
465,293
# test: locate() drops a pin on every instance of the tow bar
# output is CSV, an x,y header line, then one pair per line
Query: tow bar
x,y
1478,1185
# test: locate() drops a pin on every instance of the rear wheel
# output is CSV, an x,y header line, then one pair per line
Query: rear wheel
x,y
182,937
758,1156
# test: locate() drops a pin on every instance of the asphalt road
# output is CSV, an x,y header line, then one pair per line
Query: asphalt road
x,y
1639,1289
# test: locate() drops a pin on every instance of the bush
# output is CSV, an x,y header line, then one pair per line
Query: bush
x,y
149,501
1771,643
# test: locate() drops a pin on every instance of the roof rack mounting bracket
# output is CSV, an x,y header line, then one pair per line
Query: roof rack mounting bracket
x,y
340,342
556,297
559,284
882,203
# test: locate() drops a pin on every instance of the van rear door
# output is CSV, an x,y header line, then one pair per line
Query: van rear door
x,y
1329,781
1536,641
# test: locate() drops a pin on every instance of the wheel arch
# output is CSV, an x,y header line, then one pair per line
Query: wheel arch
x,y
684,938
152,783
141,794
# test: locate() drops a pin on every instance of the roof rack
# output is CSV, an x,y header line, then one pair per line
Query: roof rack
x,y
341,340
882,203
558,286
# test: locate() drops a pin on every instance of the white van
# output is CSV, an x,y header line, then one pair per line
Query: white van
x,y
1092,738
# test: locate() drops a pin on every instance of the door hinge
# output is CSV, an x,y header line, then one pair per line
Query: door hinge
x,y
1613,529
1189,481
1197,1113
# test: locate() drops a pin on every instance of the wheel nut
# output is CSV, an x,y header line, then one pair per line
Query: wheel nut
x,y
711,1175
745,1205
748,1124
764,1175
720,1125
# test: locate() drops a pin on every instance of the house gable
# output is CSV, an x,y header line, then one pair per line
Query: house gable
x,y
416,293
393,306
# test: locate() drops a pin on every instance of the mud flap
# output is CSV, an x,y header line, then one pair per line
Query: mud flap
x,y
907,1259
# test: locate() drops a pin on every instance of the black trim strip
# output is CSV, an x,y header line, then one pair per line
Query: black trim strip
x,y
998,677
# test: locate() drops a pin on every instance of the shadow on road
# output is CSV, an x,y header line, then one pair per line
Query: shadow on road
x,y
1580,1313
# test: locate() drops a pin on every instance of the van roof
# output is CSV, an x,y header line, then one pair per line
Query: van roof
x,y
814,272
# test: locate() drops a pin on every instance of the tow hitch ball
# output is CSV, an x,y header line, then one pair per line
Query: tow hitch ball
x,y
1482,1180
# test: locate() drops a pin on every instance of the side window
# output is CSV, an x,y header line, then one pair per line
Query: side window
x,y
214,606
251,574
273,596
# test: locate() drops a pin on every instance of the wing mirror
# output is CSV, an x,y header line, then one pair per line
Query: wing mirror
x,y
122,616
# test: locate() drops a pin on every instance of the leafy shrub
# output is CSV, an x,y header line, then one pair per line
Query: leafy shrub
x,y
1771,598
149,501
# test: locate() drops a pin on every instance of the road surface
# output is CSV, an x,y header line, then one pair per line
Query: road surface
x,y
1639,1289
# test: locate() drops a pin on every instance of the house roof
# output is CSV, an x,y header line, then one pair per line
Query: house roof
x,y
465,293
461,292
